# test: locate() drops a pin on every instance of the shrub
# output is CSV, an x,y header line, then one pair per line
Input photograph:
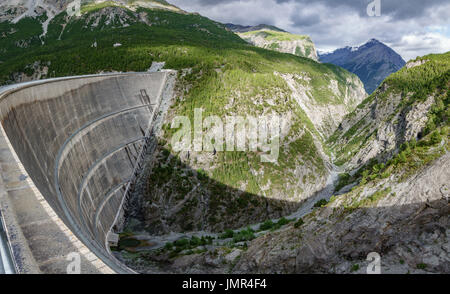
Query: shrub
x,y
244,235
267,225
421,266
227,234
344,180
435,138
385,174
321,203
195,241
402,158
206,241
355,267
283,221
365,174
299,223
128,242
202,175
181,242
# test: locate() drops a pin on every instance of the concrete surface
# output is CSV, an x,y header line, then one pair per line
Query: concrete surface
x,y
69,150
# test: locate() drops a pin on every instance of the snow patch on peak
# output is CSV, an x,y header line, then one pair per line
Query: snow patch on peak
x,y
323,52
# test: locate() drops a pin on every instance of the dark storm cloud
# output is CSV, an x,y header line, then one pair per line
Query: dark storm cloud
x,y
400,9
306,21
301,19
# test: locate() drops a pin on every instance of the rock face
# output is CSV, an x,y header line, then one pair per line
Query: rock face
x,y
408,228
273,38
371,62
388,118
384,127
39,70
326,115
15,10
45,10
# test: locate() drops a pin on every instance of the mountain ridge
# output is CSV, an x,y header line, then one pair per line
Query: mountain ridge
x,y
243,29
372,62
15,10
273,38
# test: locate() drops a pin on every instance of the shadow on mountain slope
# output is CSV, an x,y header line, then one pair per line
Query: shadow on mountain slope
x,y
172,196
406,223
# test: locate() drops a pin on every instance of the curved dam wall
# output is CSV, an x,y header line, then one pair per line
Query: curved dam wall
x,y
80,141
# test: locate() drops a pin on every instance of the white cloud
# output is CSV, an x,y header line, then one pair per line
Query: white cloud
x,y
413,45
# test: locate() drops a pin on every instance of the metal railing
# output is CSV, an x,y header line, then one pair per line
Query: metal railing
x,y
6,261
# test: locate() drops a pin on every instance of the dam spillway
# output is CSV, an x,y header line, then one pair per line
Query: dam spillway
x,y
70,148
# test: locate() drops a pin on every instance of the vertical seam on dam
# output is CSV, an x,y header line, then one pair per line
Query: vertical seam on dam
x,y
89,174
105,200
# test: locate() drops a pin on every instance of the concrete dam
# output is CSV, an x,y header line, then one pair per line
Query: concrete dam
x,y
70,151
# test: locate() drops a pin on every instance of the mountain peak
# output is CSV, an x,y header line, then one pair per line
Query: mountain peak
x,y
372,62
375,41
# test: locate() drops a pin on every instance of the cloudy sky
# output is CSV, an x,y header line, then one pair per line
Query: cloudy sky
x,y
411,27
